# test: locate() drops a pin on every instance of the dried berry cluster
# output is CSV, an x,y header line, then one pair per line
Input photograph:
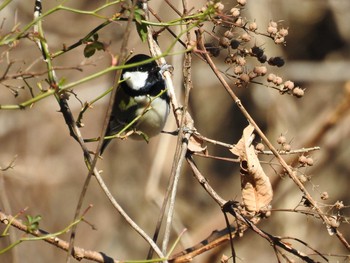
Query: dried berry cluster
x,y
283,142
239,41
305,161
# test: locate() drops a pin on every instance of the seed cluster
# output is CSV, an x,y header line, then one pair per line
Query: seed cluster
x,y
239,39
283,142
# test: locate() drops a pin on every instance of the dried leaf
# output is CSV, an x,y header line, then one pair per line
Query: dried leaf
x,y
256,187
196,144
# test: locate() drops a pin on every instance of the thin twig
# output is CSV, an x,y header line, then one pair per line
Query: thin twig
x,y
80,253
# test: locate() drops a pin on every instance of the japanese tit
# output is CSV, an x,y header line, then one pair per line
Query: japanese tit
x,y
139,94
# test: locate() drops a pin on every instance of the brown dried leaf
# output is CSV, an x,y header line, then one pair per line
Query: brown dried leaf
x,y
196,144
256,187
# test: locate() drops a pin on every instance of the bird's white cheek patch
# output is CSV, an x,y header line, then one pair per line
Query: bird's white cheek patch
x,y
136,79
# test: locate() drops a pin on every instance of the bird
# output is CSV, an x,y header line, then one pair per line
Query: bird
x,y
141,92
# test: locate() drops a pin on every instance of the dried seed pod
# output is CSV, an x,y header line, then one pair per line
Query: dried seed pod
x,y
253,26
235,12
238,70
339,205
260,70
273,24
224,42
281,139
271,77
302,178
235,43
241,61
283,32
262,59
287,147
334,222
302,159
289,84
298,92
272,30
309,161
228,34
278,80
252,75
229,60
279,40
324,196
242,2
219,6
246,37
257,51
276,61
239,22
244,77
260,147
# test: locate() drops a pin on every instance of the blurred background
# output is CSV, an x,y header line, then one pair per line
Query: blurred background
x,y
49,169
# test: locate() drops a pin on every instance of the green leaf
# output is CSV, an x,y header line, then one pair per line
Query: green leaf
x,y
138,15
33,222
92,44
140,27
142,31
89,50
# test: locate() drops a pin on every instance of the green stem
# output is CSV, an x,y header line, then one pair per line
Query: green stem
x,y
21,34
4,4
65,230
